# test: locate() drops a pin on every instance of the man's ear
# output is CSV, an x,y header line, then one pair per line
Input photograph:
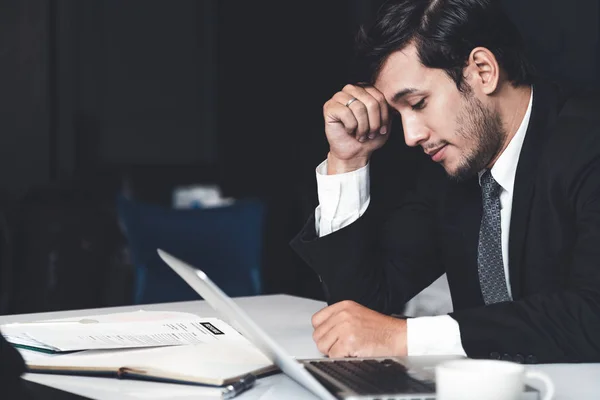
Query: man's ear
x,y
483,71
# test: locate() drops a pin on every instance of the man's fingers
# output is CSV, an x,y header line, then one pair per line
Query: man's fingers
x,y
347,118
362,116
336,319
383,107
340,349
371,105
325,343
357,109
321,316
339,341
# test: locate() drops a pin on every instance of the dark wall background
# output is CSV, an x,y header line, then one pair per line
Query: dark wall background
x,y
95,83
217,90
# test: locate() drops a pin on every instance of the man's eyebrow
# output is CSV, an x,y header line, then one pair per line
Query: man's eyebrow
x,y
399,95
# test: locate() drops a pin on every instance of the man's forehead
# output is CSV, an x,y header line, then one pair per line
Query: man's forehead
x,y
401,70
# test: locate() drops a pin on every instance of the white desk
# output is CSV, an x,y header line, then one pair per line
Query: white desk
x,y
287,319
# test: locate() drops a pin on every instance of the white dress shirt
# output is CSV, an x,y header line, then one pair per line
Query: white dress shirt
x,y
343,198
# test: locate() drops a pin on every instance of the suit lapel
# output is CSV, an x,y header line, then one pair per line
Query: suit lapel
x,y
464,213
543,113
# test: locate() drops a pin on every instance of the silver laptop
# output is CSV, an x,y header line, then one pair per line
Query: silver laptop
x,y
392,378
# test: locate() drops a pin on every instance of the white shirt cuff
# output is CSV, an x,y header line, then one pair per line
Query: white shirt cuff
x,y
439,335
343,198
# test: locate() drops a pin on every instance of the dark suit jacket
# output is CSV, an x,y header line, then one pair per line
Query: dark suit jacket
x,y
385,258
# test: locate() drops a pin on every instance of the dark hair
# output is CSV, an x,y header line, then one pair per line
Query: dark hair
x,y
444,33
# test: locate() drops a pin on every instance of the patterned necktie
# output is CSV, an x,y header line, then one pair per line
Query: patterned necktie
x,y
489,251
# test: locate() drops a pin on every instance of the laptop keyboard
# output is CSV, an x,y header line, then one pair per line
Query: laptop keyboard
x,y
369,377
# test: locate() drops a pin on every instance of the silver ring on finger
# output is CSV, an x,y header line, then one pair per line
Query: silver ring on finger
x,y
352,100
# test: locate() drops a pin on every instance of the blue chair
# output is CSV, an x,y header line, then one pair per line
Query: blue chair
x,y
225,242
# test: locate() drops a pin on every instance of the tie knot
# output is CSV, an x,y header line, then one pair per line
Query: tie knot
x,y
489,186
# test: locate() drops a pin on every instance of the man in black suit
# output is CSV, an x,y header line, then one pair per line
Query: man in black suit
x,y
514,221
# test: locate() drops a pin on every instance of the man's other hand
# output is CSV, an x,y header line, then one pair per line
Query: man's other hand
x,y
347,329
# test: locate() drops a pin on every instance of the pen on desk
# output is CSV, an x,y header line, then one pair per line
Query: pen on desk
x,y
240,386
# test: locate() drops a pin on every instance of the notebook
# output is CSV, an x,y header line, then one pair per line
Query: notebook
x,y
169,347
215,364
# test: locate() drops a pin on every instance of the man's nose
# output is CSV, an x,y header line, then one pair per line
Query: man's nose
x,y
415,133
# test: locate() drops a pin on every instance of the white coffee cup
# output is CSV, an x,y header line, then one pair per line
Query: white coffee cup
x,y
468,379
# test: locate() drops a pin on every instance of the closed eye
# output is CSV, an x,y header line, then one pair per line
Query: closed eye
x,y
419,106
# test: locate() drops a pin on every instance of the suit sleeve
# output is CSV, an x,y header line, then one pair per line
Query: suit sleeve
x,y
382,259
559,326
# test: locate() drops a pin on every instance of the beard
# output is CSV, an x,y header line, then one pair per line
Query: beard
x,y
482,127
